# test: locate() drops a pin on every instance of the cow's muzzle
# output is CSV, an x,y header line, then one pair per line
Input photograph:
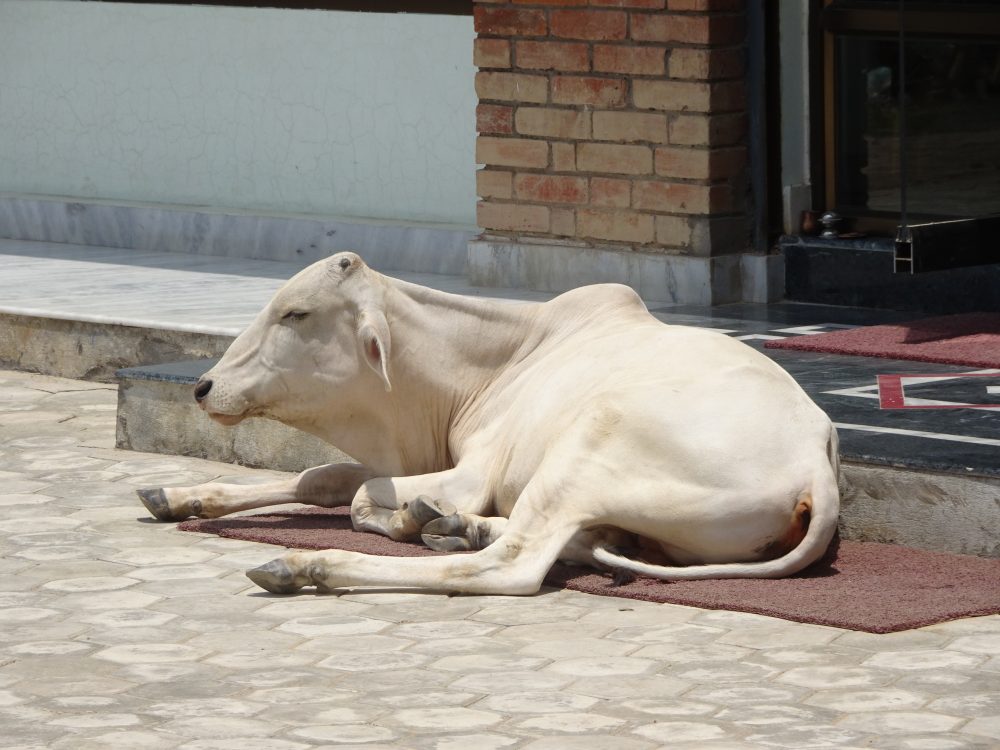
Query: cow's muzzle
x,y
201,390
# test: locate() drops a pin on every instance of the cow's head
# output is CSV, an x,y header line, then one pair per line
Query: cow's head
x,y
323,339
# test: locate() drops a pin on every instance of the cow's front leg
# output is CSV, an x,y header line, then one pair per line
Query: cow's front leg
x,y
327,486
399,507
515,564
462,532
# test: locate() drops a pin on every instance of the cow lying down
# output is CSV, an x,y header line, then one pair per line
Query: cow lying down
x,y
581,429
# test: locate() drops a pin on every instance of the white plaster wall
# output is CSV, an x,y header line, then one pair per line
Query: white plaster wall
x,y
317,112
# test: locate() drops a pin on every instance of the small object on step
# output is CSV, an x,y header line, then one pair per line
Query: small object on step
x,y
830,221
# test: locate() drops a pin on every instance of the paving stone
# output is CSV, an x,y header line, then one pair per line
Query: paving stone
x,y
828,678
340,733
932,742
724,673
626,615
121,740
910,660
245,639
677,633
262,659
101,720
671,653
41,631
987,643
487,662
551,631
682,731
986,726
671,708
575,723
372,683
427,699
968,704
771,632
950,682
244,743
572,647
86,475
857,701
117,631
49,523
535,612
107,600
17,494
743,694
786,658
292,608
446,630
511,681
332,625
421,610
537,703
388,661
479,741
151,653
618,687
457,718
211,707
218,727
900,722
459,646
806,737
90,583
358,644
48,648
591,742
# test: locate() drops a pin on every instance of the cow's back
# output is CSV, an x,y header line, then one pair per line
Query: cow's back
x,y
689,400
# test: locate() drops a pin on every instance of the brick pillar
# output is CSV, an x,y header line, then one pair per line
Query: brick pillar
x,y
614,124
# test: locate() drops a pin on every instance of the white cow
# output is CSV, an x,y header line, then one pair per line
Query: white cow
x,y
581,429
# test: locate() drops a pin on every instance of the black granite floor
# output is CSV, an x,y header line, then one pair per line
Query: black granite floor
x,y
932,431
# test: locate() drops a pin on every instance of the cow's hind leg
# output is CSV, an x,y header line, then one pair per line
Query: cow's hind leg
x,y
327,486
516,563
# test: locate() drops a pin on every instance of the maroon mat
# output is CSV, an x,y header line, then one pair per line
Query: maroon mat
x,y
972,340
878,588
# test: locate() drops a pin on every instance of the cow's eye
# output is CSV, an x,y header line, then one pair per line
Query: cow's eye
x,y
294,315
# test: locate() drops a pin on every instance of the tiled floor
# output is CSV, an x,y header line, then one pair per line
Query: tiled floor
x,y
119,632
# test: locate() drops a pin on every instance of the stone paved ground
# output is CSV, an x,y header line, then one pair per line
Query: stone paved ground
x,y
117,632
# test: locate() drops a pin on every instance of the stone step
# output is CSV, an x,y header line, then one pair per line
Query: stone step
x,y
884,498
157,414
859,272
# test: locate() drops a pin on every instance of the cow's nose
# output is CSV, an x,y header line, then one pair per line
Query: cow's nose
x,y
201,390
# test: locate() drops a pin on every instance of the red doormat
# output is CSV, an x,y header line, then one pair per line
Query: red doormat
x,y
877,588
972,340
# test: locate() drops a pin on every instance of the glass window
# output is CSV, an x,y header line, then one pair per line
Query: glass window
x,y
952,125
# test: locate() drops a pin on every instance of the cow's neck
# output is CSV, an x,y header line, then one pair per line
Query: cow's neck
x,y
446,349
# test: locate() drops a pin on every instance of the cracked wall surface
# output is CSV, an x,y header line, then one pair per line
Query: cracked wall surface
x,y
318,112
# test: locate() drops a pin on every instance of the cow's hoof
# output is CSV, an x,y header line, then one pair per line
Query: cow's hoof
x,y
441,543
156,503
275,577
423,510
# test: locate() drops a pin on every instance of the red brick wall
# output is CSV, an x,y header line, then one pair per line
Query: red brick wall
x,y
613,122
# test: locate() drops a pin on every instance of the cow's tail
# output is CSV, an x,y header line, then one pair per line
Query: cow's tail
x,y
819,505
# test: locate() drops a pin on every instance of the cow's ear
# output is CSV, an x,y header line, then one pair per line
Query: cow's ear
x,y
373,334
